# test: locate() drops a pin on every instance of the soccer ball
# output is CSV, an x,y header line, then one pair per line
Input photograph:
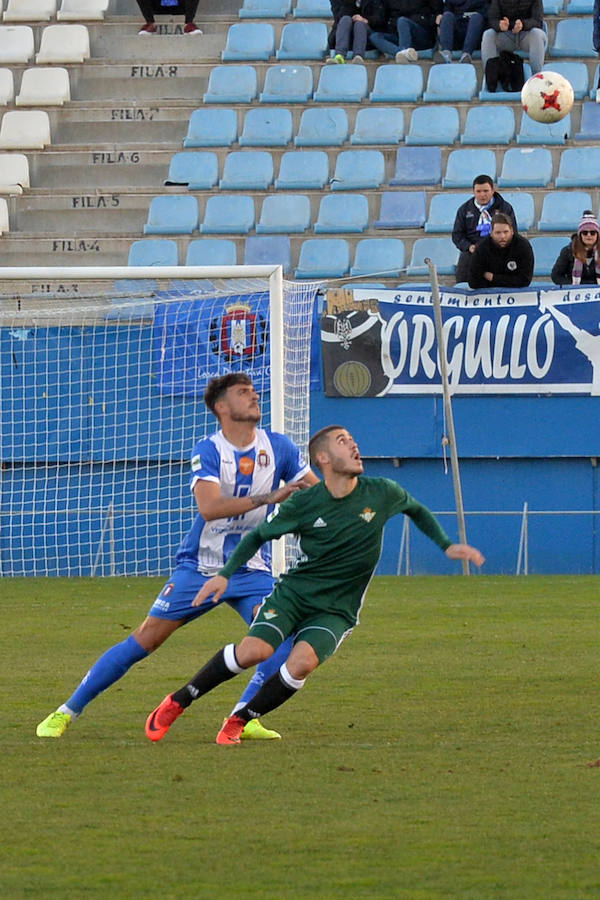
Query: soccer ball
x,y
547,97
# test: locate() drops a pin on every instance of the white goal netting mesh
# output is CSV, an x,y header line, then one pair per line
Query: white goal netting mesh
x,y
101,385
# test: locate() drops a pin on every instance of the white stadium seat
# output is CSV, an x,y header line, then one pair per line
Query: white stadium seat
x,y
3,215
44,86
7,86
29,10
64,44
14,173
16,43
75,10
25,129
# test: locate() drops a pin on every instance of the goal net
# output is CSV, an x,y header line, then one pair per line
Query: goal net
x,y
102,374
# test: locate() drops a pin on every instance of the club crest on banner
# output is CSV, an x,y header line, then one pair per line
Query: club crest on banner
x,y
239,332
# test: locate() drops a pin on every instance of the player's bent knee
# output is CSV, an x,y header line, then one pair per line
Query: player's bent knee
x,y
302,660
153,632
251,651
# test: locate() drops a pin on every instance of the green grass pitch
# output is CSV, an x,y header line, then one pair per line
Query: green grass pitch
x,y
442,753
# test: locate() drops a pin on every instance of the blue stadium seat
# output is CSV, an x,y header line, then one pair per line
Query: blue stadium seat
x,y
590,122
231,84
440,250
265,9
442,212
287,84
212,128
341,84
323,258
228,214
573,37
579,7
417,165
358,170
172,214
397,84
199,170
379,256
524,207
267,250
532,132
553,7
378,125
503,96
545,252
303,170
526,167
247,171
579,167
364,285
153,252
451,84
463,165
322,127
267,127
575,72
433,125
211,252
303,40
284,214
562,210
312,9
249,40
489,123
342,213
401,209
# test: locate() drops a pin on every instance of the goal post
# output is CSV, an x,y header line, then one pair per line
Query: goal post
x,y
102,372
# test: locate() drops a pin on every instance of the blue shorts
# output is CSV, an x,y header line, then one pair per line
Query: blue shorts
x,y
244,591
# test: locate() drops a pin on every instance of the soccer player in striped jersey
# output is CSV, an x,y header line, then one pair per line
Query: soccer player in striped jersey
x,y
235,478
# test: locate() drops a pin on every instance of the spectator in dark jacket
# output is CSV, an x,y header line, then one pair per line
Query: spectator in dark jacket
x,y
353,21
596,21
473,221
515,25
410,27
186,8
460,28
579,261
504,259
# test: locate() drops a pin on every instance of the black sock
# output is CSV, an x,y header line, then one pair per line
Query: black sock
x,y
272,694
215,672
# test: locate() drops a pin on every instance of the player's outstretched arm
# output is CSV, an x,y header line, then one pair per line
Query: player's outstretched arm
x,y
217,585
465,551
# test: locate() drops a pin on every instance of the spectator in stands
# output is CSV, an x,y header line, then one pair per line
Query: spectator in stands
x,y
503,259
473,221
353,21
515,25
579,261
186,8
596,20
461,27
411,26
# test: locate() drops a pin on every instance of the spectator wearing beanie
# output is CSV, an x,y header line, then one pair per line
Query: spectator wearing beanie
x,y
579,261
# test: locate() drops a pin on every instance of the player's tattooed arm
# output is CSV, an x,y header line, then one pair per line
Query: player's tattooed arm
x,y
212,505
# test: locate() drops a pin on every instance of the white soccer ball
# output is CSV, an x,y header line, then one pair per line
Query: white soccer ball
x,y
547,97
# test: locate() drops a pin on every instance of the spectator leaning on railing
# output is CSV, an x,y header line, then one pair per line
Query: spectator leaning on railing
x,y
473,221
579,261
504,259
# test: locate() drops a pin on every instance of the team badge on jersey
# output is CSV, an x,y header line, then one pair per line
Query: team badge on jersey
x,y
246,465
367,514
270,614
263,459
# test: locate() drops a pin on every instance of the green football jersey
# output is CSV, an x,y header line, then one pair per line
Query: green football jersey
x,y
340,539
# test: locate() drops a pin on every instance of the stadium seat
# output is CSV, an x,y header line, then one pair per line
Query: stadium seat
x,y
16,43
397,84
463,163
579,167
4,221
249,40
442,211
379,256
199,170
231,84
303,170
451,84
29,10
486,122
322,127
364,285
44,86
312,9
153,252
572,37
358,170
265,9
501,96
545,251
579,7
25,129
212,128
552,7
14,173
287,84
532,132
172,214
303,40
64,44
266,250
211,252
342,213
7,87
575,72
284,214
378,125
417,165
228,214
440,250
401,209
590,122
247,171
526,167
523,204
562,210
435,125
341,84
76,10
267,127
323,258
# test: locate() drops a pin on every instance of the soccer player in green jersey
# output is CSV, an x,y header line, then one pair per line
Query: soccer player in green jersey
x,y
340,524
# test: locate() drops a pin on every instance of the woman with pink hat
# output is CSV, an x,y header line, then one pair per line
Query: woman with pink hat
x,y
579,261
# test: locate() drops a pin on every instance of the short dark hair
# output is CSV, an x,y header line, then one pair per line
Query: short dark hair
x,y
483,179
318,442
216,387
502,219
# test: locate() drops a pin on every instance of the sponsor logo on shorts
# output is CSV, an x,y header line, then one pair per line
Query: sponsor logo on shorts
x,y
270,614
367,514
319,523
246,465
163,605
